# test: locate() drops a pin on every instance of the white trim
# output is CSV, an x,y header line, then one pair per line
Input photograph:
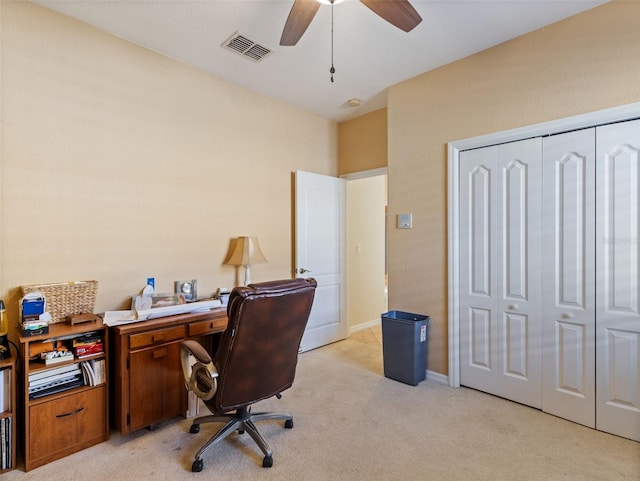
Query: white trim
x,y
437,377
616,114
364,173
364,325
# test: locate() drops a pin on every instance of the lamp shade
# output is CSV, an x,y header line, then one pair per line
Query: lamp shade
x,y
246,253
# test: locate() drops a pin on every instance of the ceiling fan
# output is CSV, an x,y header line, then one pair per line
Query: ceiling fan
x,y
399,13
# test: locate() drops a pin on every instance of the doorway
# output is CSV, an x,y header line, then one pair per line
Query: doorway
x,y
366,249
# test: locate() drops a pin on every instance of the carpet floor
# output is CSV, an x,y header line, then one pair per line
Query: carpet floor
x,y
352,423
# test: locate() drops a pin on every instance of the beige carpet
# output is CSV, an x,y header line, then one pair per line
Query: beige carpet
x,y
352,423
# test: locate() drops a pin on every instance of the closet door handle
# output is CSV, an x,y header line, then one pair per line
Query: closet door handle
x,y
567,315
513,307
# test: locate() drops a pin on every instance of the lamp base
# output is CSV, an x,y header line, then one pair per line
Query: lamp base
x,y
5,350
247,275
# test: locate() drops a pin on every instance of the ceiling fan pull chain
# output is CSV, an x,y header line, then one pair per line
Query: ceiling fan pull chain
x,y
332,70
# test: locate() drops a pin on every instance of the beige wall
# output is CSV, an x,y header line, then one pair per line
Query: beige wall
x,y
118,163
582,64
362,142
366,249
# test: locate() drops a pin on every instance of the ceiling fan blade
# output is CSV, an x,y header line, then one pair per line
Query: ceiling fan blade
x,y
397,12
298,20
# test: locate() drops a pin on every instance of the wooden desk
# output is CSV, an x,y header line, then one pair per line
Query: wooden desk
x,y
146,378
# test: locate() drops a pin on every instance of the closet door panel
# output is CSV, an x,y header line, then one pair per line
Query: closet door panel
x,y
478,299
568,291
500,224
518,238
618,280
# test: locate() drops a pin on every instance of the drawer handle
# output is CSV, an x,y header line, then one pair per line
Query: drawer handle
x,y
159,353
69,413
156,338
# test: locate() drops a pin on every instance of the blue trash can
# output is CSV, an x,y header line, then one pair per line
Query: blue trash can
x,y
404,346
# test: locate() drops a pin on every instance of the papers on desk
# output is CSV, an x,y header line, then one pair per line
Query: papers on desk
x,y
117,318
198,306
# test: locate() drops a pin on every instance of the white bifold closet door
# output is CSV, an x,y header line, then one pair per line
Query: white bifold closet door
x,y
500,328
568,277
617,279
550,274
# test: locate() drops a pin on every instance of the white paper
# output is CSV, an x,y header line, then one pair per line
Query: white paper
x,y
199,306
115,318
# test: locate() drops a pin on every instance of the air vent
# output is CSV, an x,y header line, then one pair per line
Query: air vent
x,y
243,45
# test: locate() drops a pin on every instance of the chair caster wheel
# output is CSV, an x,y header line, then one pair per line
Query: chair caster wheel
x,y
288,423
194,429
267,462
197,466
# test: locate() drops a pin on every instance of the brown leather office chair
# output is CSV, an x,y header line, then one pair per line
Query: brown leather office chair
x,y
256,359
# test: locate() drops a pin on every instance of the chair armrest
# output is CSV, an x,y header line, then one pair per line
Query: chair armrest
x,y
199,377
197,351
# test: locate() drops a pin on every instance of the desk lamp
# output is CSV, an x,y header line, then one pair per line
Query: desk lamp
x,y
5,351
246,253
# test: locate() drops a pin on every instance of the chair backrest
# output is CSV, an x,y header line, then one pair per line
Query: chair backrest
x,y
258,351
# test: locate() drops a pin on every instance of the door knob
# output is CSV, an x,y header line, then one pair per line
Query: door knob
x,y
513,307
303,270
567,315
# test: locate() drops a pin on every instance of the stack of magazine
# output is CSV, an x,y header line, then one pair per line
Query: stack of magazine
x,y
58,379
6,433
50,381
93,372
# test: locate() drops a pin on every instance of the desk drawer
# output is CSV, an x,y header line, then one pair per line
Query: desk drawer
x,y
203,328
156,337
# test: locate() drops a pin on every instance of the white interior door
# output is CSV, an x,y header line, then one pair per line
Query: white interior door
x,y
568,287
320,207
500,225
618,278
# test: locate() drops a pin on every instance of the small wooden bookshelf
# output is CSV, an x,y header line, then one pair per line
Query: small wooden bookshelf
x,y
7,415
65,411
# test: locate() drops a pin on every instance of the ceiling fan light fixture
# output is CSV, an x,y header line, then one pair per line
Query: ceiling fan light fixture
x,y
330,2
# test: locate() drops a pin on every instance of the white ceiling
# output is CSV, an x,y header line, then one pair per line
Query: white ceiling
x,y
369,54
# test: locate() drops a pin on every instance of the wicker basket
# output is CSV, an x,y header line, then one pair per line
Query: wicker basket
x,y
66,298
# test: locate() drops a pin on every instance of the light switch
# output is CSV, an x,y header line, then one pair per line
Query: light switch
x,y
405,221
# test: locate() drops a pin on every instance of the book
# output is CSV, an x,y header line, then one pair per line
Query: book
x,y
3,395
6,390
10,441
88,374
3,435
55,377
56,388
51,372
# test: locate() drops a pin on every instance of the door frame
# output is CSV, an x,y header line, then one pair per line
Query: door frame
x,y
591,119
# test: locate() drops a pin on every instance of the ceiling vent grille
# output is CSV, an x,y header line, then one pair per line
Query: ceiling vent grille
x,y
243,45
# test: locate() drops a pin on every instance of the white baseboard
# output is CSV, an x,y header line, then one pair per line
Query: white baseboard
x,y
364,325
431,375
437,377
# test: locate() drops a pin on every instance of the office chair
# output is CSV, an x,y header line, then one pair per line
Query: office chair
x,y
256,359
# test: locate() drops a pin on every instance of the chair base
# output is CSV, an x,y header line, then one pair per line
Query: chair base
x,y
242,420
